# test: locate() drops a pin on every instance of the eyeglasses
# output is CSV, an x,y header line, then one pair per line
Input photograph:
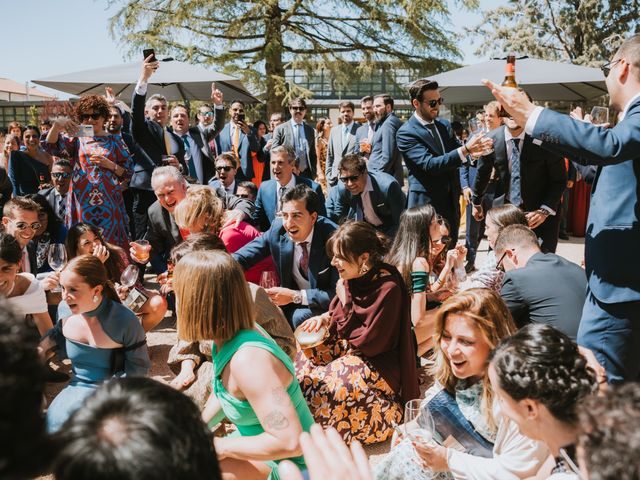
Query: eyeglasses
x,y
435,103
443,240
499,265
350,178
22,226
86,116
606,68
60,174
226,168
298,109
206,114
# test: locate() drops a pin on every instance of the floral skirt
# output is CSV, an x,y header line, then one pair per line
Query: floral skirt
x,y
344,391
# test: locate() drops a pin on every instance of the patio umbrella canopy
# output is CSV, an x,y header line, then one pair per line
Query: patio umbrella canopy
x,y
544,80
175,80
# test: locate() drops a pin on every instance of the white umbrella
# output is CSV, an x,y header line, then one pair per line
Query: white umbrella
x,y
175,80
544,80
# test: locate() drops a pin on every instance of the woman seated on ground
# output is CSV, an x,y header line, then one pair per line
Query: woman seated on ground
x,y
468,326
85,239
489,276
51,231
100,336
191,361
421,239
202,211
358,379
254,384
540,379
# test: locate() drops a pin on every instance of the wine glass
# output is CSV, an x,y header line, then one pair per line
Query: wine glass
x,y
129,276
57,257
268,279
418,422
599,115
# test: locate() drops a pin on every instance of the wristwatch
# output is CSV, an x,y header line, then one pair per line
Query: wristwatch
x,y
297,298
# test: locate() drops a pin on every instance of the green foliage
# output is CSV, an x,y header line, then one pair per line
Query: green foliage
x,y
260,39
584,32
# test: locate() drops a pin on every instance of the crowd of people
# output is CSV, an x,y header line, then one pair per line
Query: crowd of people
x,y
316,295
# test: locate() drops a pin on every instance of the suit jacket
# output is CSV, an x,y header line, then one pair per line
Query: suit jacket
x,y
49,194
149,136
431,173
548,289
25,173
387,199
32,254
247,144
215,183
361,134
276,242
543,177
283,135
267,201
613,226
336,150
385,156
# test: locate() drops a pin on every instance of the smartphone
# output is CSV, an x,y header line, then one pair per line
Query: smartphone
x,y
149,51
136,300
241,117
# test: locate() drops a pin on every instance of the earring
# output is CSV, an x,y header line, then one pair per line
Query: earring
x,y
363,269
95,299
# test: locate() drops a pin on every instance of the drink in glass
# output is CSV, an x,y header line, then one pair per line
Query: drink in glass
x,y
142,249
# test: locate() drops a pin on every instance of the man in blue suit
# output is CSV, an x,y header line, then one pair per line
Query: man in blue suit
x,y
433,154
238,137
271,192
385,156
373,197
296,241
610,324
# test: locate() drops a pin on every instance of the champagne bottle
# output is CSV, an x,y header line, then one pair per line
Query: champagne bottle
x,y
510,72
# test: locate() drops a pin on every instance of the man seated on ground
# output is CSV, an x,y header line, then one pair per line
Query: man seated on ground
x,y
133,428
539,287
226,169
247,190
296,241
270,193
374,197
56,195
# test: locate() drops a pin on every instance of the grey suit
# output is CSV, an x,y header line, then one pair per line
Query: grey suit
x,y
337,149
385,156
283,135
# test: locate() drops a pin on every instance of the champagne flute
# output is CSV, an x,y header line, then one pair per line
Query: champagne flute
x,y
268,279
418,422
57,258
129,276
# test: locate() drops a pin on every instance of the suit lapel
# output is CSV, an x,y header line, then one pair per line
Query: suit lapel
x,y
286,259
425,134
316,254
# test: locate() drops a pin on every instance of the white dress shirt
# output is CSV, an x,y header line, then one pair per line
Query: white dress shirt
x,y
425,123
303,284
287,187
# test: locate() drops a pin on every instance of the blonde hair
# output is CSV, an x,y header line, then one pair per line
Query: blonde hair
x,y
213,301
200,202
493,319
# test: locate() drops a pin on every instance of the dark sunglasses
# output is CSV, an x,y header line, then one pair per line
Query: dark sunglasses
x,y
24,225
443,240
435,103
226,168
243,195
350,178
298,109
92,116
60,175
606,68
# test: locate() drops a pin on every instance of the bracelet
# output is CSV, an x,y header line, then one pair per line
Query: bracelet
x,y
419,281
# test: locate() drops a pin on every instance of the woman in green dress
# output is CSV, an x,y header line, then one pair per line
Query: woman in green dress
x,y
254,383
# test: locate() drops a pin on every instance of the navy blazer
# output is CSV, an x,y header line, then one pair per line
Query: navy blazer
x,y
430,173
149,137
387,199
385,156
246,145
25,172
267,201
276,242
613,226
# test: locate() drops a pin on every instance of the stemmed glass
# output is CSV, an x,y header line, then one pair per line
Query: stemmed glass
x,y
418,422
478,128
599,115
57,258
129,276
268,279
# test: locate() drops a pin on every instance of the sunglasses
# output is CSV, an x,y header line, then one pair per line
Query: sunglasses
x,y
350,178
443,240
22,226
60,175
298,109
206,114
606,68
243,195
226,168
435,103
86,116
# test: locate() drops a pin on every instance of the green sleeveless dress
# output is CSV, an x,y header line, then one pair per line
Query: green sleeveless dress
x,y
240,412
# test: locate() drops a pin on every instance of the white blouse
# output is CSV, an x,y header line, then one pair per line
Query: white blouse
x,y
32,301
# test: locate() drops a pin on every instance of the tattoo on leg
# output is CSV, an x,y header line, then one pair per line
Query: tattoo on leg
x,y
276,420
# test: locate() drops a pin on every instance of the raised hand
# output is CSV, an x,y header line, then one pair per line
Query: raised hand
x,y
514,101
148,68
216,95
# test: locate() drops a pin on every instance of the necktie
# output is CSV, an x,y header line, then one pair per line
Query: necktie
x,y
359,208
304,261
187,155
515,193
235,142
436,137
345,137
280,195
62,207
301,150
371,131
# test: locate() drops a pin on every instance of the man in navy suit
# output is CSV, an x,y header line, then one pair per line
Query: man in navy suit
x,y
226,169
373,197
296,241
385,156
238,137
299,136
270,193
432,155
364,134
610,324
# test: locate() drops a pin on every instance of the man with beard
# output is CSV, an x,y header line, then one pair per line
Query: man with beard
x,y
385,156
299,136
57,194
238,137
364,134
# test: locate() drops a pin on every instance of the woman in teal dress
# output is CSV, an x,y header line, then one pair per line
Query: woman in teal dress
x,y
254,383
100,336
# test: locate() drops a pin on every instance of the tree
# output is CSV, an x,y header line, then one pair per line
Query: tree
x,y
584,32
260,39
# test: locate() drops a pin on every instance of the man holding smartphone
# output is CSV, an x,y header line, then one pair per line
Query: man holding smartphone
x,y
238,137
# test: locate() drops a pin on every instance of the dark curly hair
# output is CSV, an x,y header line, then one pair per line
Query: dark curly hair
x,y
610,434
541,363
87,103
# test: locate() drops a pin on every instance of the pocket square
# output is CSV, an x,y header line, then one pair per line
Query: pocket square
x,y
324,271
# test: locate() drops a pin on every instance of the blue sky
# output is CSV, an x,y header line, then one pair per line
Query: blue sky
x,y
72,35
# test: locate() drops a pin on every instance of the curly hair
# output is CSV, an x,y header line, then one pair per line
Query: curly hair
x,y
87,103
493,319
610,433
543,364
